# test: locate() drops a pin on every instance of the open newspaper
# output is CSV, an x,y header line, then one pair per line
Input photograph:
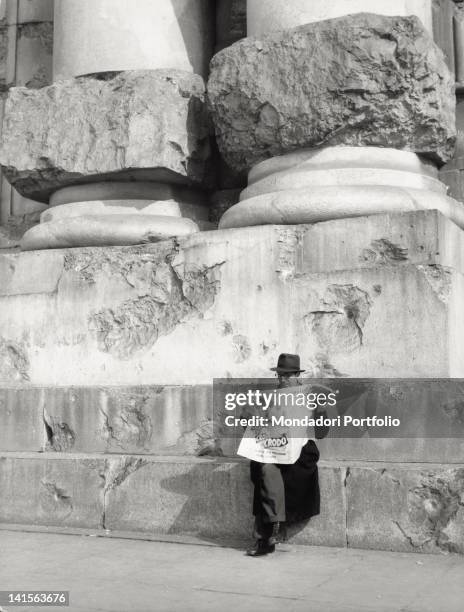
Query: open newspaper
x,y
283,432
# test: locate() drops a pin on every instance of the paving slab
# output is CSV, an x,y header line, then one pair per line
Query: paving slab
x,y
121,575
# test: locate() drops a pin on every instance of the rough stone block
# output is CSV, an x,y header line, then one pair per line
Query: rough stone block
x,y
210,305
141,420
67,491
363,80
409,508
328,528
147,125
208,499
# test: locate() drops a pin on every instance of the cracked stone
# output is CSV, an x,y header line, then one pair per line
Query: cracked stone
x,y
383,251
200,442
369,80
409,509
14,362
55,501
119,470
177,293
338,323
242,348
439,278
60,437
150,124
127,425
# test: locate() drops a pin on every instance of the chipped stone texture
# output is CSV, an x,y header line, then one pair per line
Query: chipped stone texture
x,y
410,509
178,293
200,442
37,490
129,426
167,314
60,437
371,80
14,362
147,124
384,252
338,323
241,347
120,469
320,367
160,420
440,279
55,501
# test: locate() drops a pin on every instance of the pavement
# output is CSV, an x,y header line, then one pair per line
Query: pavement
x,y
121,574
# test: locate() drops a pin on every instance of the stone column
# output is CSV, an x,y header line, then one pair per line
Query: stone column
x,y
337,118
93,37
274,15
119,144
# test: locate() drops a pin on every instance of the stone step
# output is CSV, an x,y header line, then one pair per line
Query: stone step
x,y
401,507
180,420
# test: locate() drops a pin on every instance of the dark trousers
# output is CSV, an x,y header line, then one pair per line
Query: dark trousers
x,y
286,493
269,487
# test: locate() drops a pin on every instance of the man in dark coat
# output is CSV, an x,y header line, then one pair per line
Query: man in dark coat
x,y
284,494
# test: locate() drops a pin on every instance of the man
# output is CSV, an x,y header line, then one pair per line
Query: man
x,y
284,493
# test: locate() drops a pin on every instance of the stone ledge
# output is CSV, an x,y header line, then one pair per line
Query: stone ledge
x,y
167,420
411,507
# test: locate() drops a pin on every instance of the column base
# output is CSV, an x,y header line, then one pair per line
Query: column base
x,y
117,214
105,230
337,182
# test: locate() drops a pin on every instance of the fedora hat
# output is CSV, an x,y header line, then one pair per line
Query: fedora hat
x,y
287,364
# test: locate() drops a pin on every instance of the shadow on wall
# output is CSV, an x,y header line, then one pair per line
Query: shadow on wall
x,y
189,14
218,507
219,504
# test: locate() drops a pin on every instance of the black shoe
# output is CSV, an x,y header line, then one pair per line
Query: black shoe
x,y
261,548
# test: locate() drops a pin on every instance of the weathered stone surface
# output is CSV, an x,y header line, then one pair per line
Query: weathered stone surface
x,y
38,491
179,420
411,508
105,230
208,499
402,507
148,125
182,312
142,420
356,80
